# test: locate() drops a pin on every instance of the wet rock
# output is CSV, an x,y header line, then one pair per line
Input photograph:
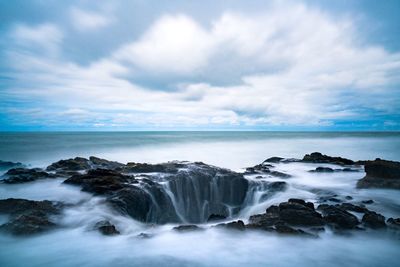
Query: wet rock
x,y
265,169
106,228
216,217
96,162
186,228
317,157
236,225
374,220
370,201
23,175
381,174
274,159
100,181
394,223
348,197
279,174
75,164
27,216
169,167
6,165
352,207
349,170
338,218
322,169
295,212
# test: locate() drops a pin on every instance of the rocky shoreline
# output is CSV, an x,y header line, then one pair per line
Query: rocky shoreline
x,y
195,195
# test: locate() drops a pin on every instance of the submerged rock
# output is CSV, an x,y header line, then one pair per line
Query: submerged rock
x,y
235,225
317,157
323,169
28,216
381,174
106,228
23,175
186,228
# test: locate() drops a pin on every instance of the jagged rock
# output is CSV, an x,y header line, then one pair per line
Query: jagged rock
x,y
216,217
169,167
100,181
274,159
6,165
295,212
236,225
75,164
352,207
323,169
186,228
394,223
374,220
279,174
369,201
23,175
381,174
338,218
96,162
106,228
264,169
28,216
317,157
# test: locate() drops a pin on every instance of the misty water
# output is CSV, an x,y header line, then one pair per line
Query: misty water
x,y
76,244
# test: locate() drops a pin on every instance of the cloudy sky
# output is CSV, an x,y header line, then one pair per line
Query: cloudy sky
x,y
199,65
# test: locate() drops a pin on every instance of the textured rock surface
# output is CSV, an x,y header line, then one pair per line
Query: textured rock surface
x,y
381,174
23,175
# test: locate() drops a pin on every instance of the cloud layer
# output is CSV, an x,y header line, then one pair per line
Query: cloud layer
x,y
277,68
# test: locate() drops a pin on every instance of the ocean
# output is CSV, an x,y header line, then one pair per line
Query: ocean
x,y
76,244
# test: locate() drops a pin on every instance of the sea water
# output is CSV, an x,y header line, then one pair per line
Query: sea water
x,y
76,244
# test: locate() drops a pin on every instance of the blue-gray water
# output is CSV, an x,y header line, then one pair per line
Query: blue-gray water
x,y
228,149
75,245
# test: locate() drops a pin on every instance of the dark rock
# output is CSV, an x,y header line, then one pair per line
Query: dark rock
x,y
349,197
394,223
6,165
370,201
216,217
28,216
145,235
236,225
273,159
352,207
338,218
186,228
333,199
169,167
374,220
279,174
349,170
381,174
75,164
100,181
23,175
317,157
322,169
106,228
302,202
105,164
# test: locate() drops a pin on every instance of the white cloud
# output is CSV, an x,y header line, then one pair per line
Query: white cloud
x,y
292,66
87,20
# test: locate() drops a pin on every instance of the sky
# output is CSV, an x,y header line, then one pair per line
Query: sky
x,y
199,65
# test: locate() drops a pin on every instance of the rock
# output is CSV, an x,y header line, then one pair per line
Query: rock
x,y
264,169
349,170
339,218
6,165
273,159
279,174
23,175
28,216
186,228
394,223
105,164
169,167
381,174
236,225
322,169
75,164
352,207
370,201
295,212
216,217
348,197
317,157
106,228
374,220
100,181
